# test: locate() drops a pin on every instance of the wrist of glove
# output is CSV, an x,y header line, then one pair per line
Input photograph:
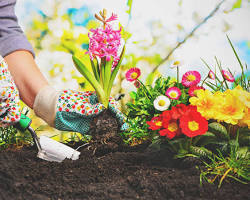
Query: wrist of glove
x,y
70,110
10,111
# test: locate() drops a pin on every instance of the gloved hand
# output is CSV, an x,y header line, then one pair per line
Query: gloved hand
x,y
70,110
10,111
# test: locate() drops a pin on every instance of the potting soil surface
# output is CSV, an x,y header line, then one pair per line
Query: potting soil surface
x,y
112,173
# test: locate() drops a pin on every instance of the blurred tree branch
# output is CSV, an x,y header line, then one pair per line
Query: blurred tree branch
x,y
211,14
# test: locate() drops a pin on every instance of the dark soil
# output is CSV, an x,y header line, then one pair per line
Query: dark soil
x,y
108,170
114,172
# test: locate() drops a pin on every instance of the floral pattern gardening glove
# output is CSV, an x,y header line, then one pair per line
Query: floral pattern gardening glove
x,y
70,110
10,110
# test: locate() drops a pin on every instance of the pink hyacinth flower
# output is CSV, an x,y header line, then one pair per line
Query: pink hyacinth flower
x,y
133,74
191,78
104,43
112,18
227,75
173,93
193,90
211,75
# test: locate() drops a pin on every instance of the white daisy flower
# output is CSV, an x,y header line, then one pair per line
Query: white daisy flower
x,y
161,103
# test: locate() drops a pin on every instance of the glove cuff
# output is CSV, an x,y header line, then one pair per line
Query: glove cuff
x,y
45,104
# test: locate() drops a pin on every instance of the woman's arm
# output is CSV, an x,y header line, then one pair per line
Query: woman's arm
x,y
19,54
28,78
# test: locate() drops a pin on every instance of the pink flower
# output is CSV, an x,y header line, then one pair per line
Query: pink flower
x,y
133,74
112,18
173,93
193,90
227,75
137,84
104,43
211,75
191,78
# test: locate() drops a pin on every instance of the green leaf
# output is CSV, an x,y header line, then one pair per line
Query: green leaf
x,y
200,151
95,69
219,130
133,95
115,71
91,79
107,75
102,77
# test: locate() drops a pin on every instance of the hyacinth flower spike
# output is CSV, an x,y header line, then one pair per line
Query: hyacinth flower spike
x,y
105,62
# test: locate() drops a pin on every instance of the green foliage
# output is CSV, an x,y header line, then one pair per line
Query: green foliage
x,y
200,152
219,130
236,165
10,136
141,109
220,84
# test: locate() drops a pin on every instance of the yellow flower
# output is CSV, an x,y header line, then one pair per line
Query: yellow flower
x,y
231,109
245,121
206,103
242,95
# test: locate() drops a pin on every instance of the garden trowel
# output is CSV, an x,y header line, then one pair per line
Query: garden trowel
x,y
48,149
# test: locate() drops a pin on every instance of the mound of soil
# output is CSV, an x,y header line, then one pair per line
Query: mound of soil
x,y
111,173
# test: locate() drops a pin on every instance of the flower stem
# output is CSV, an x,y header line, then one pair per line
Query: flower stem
x,y
204,80
145,90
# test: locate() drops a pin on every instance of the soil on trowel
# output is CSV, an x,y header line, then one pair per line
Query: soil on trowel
x,y
114,171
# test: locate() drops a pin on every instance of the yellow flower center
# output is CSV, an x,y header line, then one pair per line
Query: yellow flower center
x,y
193,125
191,77
173,94
161,103
158,123
173,127
134,75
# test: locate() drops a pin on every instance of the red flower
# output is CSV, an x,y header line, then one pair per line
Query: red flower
x,y
155,123
60,108
181,109
171,129
193,124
